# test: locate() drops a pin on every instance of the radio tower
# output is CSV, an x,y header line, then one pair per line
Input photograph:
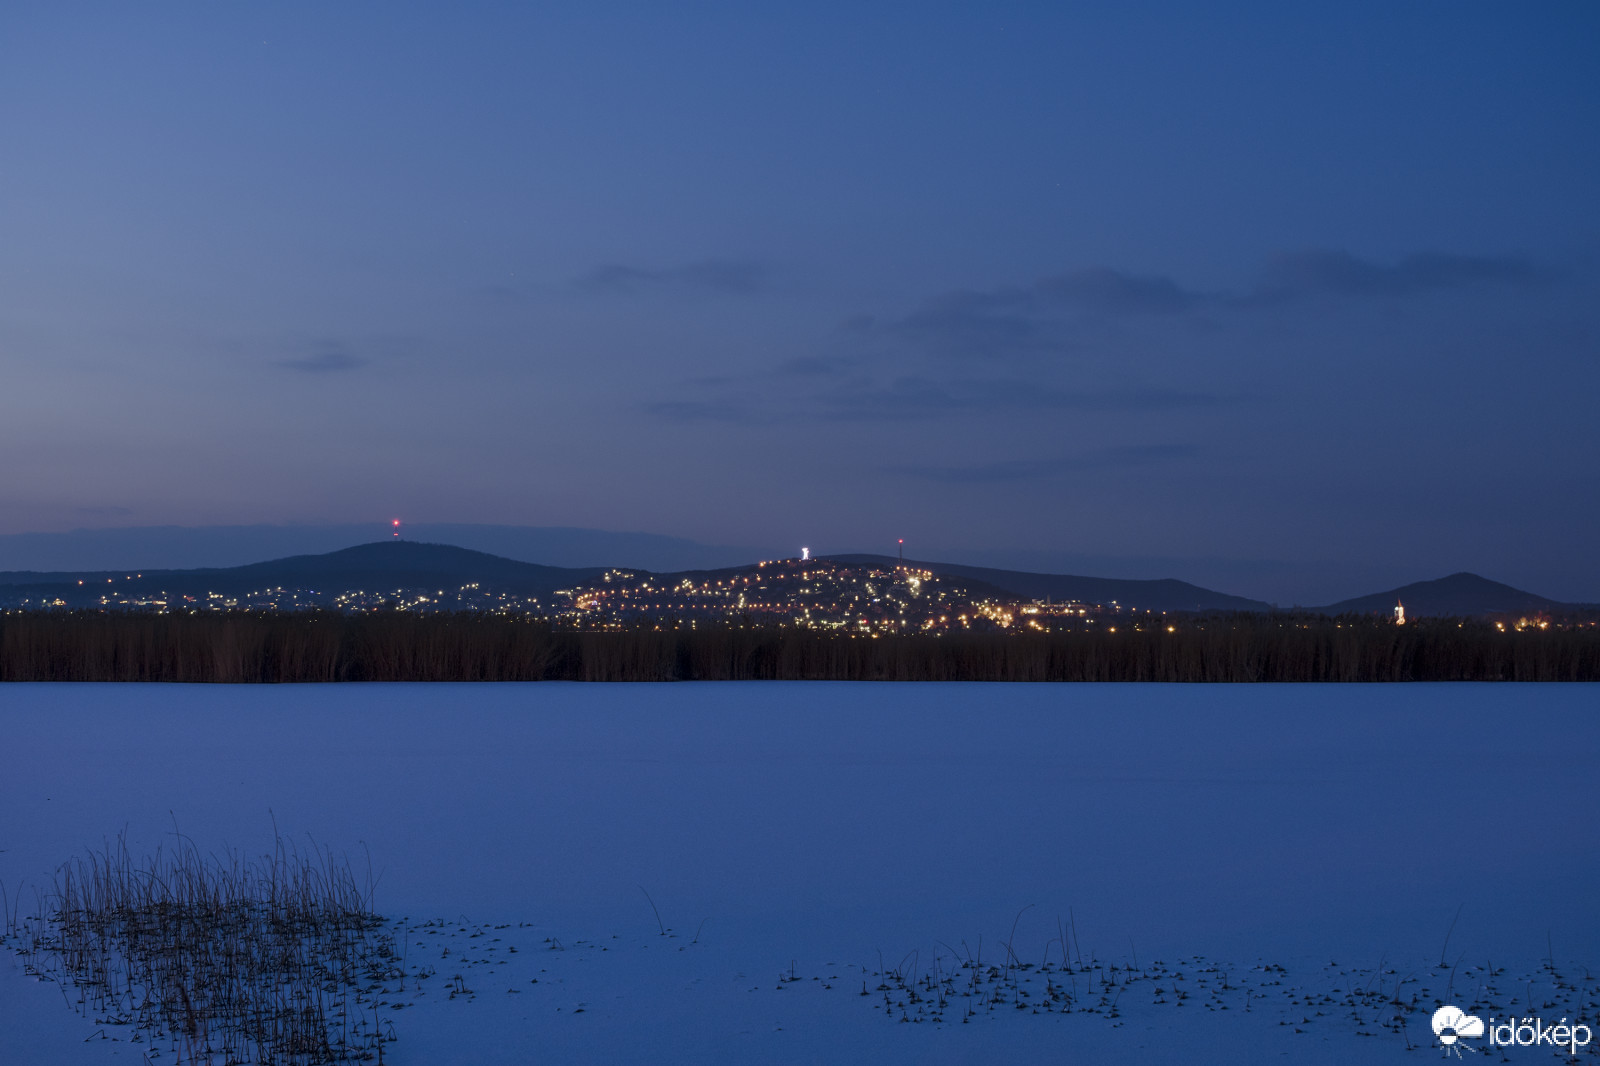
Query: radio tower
x,y
397,529
902,553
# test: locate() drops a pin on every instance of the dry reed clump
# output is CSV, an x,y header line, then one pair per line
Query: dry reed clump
x,y
950,984
276,961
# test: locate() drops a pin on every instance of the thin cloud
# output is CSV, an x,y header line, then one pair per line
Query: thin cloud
x,y
1045,316
726,410
727,276
1098,289
1017,318
1136,455
922,397
1340,273
329,361
911,398
816,366
900,369
974,324
1106,290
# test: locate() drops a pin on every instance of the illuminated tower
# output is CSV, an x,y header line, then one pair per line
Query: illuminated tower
x,y
397,529
1399,613
902,553
805,555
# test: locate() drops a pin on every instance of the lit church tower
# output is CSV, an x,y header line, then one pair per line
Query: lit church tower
x,y
1399,613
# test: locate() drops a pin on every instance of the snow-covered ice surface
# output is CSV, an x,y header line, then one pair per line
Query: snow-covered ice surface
x,y
1296,853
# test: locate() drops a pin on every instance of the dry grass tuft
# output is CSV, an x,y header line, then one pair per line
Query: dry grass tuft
x,y
278,960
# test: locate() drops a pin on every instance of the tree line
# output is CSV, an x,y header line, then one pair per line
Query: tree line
x,y
329,646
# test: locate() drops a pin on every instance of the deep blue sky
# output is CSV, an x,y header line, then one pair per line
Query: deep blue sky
x,y
1296,301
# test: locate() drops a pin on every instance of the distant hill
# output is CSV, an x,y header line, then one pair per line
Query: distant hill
x,y
388,565
383,565
407,564
192,547
1459,594
1167,594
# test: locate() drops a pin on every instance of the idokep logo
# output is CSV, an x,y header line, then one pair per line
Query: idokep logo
x,y
1452,1025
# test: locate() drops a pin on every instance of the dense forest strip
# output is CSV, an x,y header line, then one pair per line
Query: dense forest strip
x,y
328,646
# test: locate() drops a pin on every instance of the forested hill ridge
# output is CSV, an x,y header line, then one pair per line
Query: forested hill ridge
x,y
443,573
1165,594
383,566
1460,595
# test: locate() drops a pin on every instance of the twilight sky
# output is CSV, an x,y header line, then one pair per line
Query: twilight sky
x,y
1297,303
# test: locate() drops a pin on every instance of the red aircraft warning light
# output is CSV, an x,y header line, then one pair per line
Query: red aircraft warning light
x,y
397,528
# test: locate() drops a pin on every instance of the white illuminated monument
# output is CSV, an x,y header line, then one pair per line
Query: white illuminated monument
x,y
805,554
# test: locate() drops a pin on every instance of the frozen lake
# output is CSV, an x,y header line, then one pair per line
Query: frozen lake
x,y
812,826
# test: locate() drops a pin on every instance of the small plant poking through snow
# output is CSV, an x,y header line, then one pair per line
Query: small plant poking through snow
x,y
275,961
